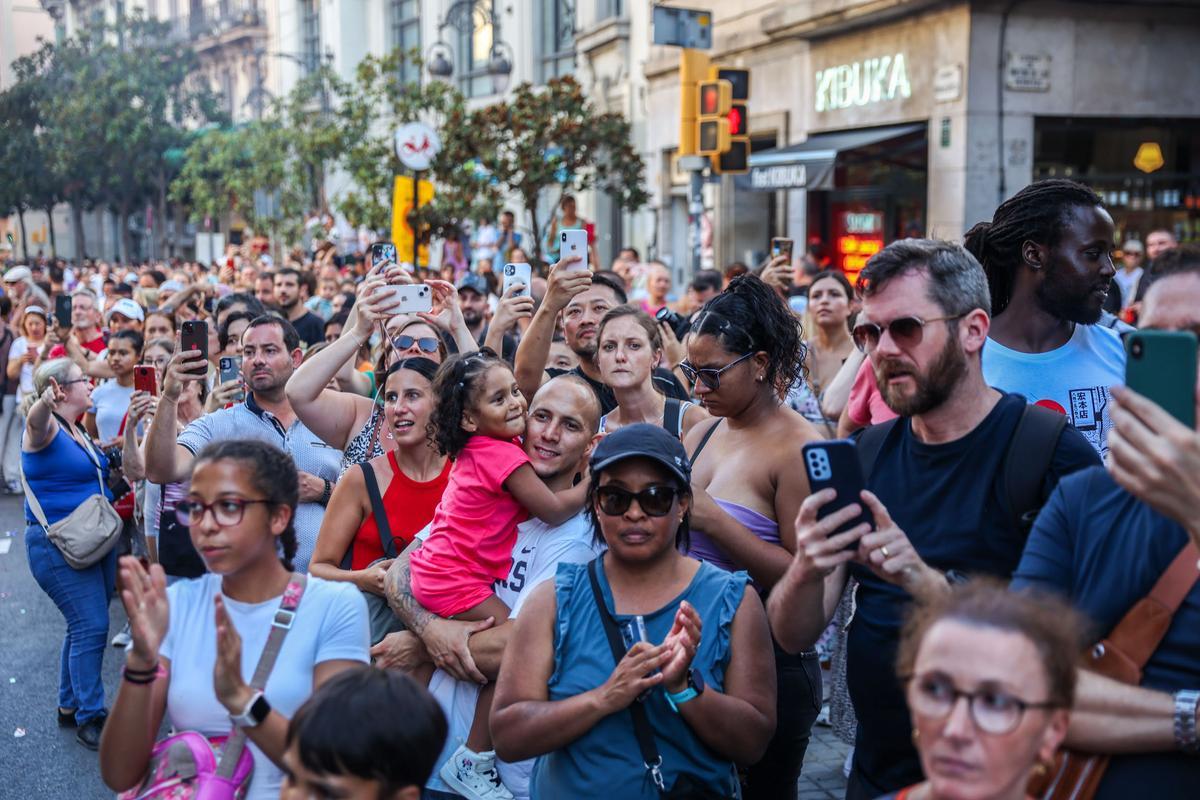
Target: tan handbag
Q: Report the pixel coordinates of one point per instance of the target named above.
(1121, 656)
(89, 532)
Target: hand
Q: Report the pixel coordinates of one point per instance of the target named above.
(673, 349)
(890, 555)
(512, 308)
(778, 273)
(53, 396)
(371, 578)
(370, 307)
(224, 394)
(565, 282)
(228, 684)
(30, 355)
(226, 275)
(681, 644)
(447, 313)
(631, 676)
(312, 488)
(818, 551)
(177, 372)
(144, 595)
(446, 641)
(1155, 457)
(400, 650)
(142, 405)
(703, 510)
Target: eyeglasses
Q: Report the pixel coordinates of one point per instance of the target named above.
(709, 377)
(65, 384)
(226, 511)
(655, 501)
(427, 344)
(993, 711)
(905, 331)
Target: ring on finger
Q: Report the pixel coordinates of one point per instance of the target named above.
(885, 552)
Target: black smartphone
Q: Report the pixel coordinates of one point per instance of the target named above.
(1161, 366)
(62, 310)
(834, 465)
(194, 336)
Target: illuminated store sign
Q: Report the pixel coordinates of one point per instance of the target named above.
(873, 80)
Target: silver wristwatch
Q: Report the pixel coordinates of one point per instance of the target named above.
(1185, 721)
(254, 714)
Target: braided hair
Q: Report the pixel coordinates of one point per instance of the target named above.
(1036, 213)
(750, 316)
(456, 386)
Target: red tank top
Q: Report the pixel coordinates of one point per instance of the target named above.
(409, 504)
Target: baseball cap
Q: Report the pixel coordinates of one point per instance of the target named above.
(1132, 246)
(642, 440)
(476, 283)
(127, 308)
(18, 274)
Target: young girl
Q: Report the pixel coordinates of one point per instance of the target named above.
(480, 414)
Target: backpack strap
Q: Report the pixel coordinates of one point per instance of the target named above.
(673, 416)
(870, 442)
(1026, 462)
(378, 511)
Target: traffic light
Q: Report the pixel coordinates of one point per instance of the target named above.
(734, 157)
(694, 67)
(715, 99)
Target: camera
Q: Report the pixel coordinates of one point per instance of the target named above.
(677, 322)
(115, 456)
(509, 269)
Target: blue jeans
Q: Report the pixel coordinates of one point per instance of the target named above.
(82, 596)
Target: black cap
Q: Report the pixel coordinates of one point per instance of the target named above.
(476, 283)
(642, 441)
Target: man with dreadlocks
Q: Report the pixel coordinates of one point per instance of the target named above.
(1047, 255)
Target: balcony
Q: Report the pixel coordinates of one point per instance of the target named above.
(214, 25)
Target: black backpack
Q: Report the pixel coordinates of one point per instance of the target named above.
(1022, 471)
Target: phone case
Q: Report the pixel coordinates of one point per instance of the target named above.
(781, 247)
(574, 243)
(62, 311)
(834, 465)
(383, 251)
(194, 336)
(145, 379)
(409, 299)
(1161, 366)
(517, 273)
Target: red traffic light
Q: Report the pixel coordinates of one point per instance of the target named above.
(710, 99)
(737, 120)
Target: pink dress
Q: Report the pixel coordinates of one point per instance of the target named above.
(473, 531)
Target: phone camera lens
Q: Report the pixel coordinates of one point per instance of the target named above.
(1136, 349)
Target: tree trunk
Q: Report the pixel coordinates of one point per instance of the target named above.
(531, 207)
(160, 222)
(24, 242)
(77, 230)
(124, 239)
(50, 225)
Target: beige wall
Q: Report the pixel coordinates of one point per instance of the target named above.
(22, 22)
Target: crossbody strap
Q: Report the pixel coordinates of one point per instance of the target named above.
(34, 505)
(378, 511)
(1142, 629)
(280, 625)
(707, 435)
(641, 725)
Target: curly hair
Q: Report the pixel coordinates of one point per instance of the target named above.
(456, 386)
(750, 316)
(273, 475)
(1034, 214)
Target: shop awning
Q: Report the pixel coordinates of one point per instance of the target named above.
(809, 165)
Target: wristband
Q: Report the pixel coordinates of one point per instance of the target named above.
(1185, 721)
(327, 493)
(695, 688)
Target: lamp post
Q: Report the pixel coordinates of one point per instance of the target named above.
(465, 16)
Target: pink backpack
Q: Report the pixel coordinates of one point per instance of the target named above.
(192, 766)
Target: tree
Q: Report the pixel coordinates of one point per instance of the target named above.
(29, 179)
(552, 137)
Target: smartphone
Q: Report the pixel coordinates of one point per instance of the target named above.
(194, 336)
(145, 379)
(633, 630)
(62, 310)
(518, 273)
(230, 369)
(408, 299)
(834, 465)
(574, 243)
(1161, 366)
(781, 247)
(381, 252)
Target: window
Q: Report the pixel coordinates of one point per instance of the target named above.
(472, 51)
(557, 38)
(310, 32)
(406, 36)
(606, 9)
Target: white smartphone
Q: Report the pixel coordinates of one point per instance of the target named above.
(408, 299)
(518, 273)
(574, 243)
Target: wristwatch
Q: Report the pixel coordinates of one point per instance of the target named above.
(1185, 721)
(695, 688)
(254, 714)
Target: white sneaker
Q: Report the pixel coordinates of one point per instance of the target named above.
(474, 775)
(123, 638)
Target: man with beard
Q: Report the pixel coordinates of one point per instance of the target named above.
(309, 327)
(473, 300)
(583, 298)
(270, 353)
(1047, 255)
(939, 489)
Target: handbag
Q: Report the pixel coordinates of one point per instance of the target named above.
(88, 533)
(191, 766)
(379, 614)
(685, 786)
(1121, 656)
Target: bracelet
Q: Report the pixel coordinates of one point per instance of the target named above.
(143, 677)
(142, 672)
(1186, 738)
(325, 495)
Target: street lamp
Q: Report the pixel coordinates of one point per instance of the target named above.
(465, 16)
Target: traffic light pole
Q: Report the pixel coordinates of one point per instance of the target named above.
(695, 166)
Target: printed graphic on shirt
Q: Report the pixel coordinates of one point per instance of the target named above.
(1088, 413)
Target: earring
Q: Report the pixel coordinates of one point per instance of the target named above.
(1041, 769)
(759, 379)
(916, 737)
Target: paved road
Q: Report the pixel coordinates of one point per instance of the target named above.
(45, 763)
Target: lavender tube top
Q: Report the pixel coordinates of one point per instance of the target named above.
(705, 549)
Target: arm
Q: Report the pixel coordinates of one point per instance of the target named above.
(1114, 717)
(133, 465)
(447, 316)
(509, 312)
(553, 508)
(837, 393)
(89, 425)
(343, 517)
(846, 426)
(534, 350)
(764, 561)
(331, 415)
(40, 425)
(166, 461)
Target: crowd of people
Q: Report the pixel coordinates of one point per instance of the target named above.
(560, 540)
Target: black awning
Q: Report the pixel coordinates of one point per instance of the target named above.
(809, 165)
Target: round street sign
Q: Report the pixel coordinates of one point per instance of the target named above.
(416, 145)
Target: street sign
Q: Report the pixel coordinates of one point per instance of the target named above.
(683, 27)
(416, 145)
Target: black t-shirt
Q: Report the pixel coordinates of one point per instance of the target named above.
(508, 344)
(664, 381)
(947, 498)
(310, 328)
(1104, 550)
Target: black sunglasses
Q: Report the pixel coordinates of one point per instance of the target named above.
(709, 376)
(427, 344)
(905, 331)
(655, 501)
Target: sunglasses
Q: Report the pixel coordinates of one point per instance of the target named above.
(710, 377)
(905, 331)
(427, 344)
(655, 501)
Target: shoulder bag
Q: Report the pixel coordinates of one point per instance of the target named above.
(1121, 656)
(88, 533)
(379, 614)
(192, 766)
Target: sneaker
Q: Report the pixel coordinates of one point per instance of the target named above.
(13, 487)
(66, 719)
(123, 638)
(474, 776)
(89, 732)
(823, 718)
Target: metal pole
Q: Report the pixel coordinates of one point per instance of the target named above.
(416, 180)
(695, 166)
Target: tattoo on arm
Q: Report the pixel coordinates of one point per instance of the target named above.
(398, 588)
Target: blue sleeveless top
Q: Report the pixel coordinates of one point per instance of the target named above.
(62, 476)
(605, 761)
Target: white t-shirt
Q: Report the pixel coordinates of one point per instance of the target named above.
(330, 625)
(110, 402)
(536, 556)
(1073, 380)
(16, 352)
